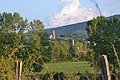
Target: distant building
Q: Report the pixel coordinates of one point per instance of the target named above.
(53, 36)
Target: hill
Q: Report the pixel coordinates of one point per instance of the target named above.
(69, 29)
(73, 28)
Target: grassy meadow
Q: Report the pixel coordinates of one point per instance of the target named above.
(68, 67)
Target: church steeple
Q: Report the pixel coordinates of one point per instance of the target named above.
(53, 36)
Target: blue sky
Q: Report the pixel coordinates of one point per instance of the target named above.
(55, 13)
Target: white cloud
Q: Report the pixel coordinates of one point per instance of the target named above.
(71, 13)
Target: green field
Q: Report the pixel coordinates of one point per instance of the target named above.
(68, 67)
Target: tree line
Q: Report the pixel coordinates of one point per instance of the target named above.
(21, 40)
(26, 41)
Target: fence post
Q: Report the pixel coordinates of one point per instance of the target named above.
(118, 75)
(18, 70)
(104, 67)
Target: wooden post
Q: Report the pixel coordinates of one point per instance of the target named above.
(118, 75)
(18, 70)
(103, 63)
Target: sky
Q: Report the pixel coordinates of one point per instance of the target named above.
(55, 13)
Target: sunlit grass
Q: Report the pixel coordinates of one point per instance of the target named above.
(68, 67)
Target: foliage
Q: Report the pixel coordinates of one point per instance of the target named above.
(90, 56)
(21, 41)
(77, 51)
(11, 39)
(59, 51)
(104, 37)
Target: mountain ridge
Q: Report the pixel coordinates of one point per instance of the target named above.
(73, 28)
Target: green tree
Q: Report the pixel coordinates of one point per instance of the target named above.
(11, 39)
(59, 51)
(21, 41)
(77, 51)
(34, 54)
(104, 37)
(64, 50)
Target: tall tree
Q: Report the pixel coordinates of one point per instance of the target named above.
(104, 37)
(11, 39)
(77, 51)
(59, 51)
(21, 41)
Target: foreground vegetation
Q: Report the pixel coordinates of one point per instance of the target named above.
(25, 41)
